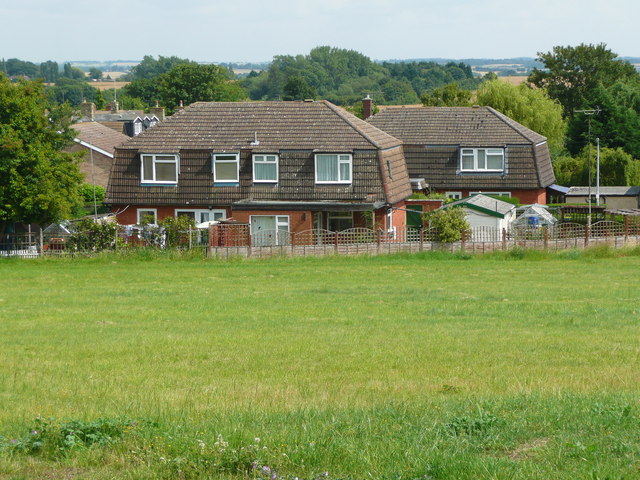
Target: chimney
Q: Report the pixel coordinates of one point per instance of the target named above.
(158, 111)
(180, 107)
(367, 107)
(113, 107)
(88, 110)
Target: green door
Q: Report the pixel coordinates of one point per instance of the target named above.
(414, 217)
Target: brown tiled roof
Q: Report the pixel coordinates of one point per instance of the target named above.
(220, 126)
(464, 126)
(99, 136)
(294, 130)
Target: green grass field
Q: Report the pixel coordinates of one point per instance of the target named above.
(429, 366)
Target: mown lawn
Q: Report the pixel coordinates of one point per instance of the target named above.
(397, 367)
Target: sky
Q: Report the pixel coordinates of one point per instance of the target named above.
(256, 30)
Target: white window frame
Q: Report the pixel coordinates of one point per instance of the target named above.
(196, 211)
(453, 195)
(139, 216)
(155, 161)
(474, 151)
(236, 161)
(264, 161)
(341, 158)
(502, 194)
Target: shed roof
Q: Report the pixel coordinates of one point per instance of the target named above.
(484, 204)
(609, 191)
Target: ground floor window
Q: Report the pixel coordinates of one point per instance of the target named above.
(453, 195)
(269, 230)
(202, 215)
(148, 216)
(339, 221)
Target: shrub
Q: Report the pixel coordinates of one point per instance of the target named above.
(86, 190)
(90, 235)
(449, 224)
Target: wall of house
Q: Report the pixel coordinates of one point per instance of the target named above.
(296, 180)
(129, 216)
(298, 221)
(526, 197)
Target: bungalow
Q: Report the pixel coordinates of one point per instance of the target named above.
(289, 166)
(461, 151)
(615, 198)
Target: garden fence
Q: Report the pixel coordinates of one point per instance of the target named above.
(238, 240)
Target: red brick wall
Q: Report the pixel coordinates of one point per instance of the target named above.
(525, 196)
(130, 215)
(298, 221)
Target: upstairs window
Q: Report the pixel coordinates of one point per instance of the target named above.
(226, 168)
(159, 169)
(333, 168)
(265, 168)
(482, 159)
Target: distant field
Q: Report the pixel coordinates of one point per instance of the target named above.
(427, 366)
(514, 80)
(108, 85)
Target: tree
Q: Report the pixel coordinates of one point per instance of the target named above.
(618, 122)
(450, 95)
(297, 88)
(72, 72)
(198, 83)
(617, 168)
(572, 73)
(38, 182)
(150, 68)
(49, 71)
(95, 73)
(529, 106)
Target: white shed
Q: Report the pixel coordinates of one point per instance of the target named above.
(487, 216)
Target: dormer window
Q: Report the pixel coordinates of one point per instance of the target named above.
(159, 169)
(481, 159)
(333, 168)
(265, 168)
(226, 168)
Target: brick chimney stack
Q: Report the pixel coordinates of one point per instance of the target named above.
(158, 111)
(367, 107)
(88, 110)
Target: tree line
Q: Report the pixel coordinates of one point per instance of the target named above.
(36, 183)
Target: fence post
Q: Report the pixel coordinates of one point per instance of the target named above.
(504, 238)
(335, 241)
(422, 239)
(41, 242)
(626, 228)
(463, 240)
(587, 233)
(378, 241)
(190, 241)
(546, 238)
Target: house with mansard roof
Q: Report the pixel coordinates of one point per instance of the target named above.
(461, 151)
(275, 165)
